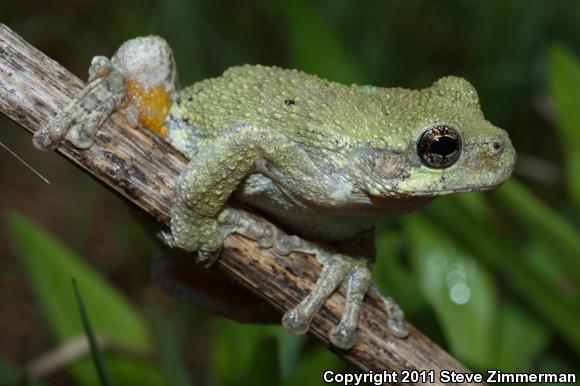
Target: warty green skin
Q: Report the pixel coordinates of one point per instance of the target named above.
(323, 158)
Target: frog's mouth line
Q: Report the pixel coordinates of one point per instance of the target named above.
(401, 194)
(451, 191)
(396, 191)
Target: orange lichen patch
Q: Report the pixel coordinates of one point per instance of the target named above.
(153, 105)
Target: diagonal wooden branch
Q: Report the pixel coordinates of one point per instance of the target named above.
(34, 87)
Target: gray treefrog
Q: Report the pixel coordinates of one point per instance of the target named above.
(323, 159)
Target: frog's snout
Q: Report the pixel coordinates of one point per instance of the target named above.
(496, 146)
(498, 156)
(500, 145)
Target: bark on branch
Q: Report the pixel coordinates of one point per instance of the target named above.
(34, 87)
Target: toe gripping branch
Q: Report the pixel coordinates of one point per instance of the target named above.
(81, 119)
(337, 268)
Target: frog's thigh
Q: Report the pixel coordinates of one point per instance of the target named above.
(214, 173)
(208, 289)
(140, 78)
(150, 76)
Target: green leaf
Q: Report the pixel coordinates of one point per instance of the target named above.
(545, 222)
(520, 339)
(458, 288)
(290, 348)
(50, 267)
(541, 261)
(499, 250)
(8, 372)
(392, 277)
(312, 366)
(171, 330)
(239, 352)
(565, 90)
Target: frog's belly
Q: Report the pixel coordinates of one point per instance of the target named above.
(260, 192)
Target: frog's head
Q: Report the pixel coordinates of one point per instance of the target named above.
(442, 144)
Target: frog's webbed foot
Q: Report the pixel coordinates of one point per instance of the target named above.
(192, 233)
(80, 120)
(337, 268)
(206, 258)
(140, 79)
(396, 321)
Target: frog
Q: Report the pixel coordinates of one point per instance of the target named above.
(323, 159)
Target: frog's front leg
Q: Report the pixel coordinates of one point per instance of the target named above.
(354, 272)
(216, 171)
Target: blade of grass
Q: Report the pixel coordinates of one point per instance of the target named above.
(533, 213)
(98, 360)
(49, 267)
(172, 330)
(565, 90)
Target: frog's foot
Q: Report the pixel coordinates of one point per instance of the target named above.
(193, 233)
(86, 112)
(338, 269)
(396, 321)
(140, 79)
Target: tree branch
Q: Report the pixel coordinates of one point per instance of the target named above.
(34, 87)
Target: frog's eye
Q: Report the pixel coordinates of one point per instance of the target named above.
(439, 147)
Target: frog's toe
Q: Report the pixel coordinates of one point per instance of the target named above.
(42, 141)
(167, 238)
(358, 282)
(208, 258)
(297, 320)
(396, 321)
(86, 112)
(204, 257)
(343, 337)
(339, 268)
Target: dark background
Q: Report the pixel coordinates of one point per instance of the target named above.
(492, 277)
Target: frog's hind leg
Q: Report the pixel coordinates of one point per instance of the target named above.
(140, 79)
(210, 290)
(150, 75)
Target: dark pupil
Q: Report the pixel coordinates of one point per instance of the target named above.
(444, 145)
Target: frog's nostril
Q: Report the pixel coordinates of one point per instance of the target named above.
(496, 145)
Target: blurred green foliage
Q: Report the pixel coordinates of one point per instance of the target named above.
(50, 268)
(493, 277)
(565, 89)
